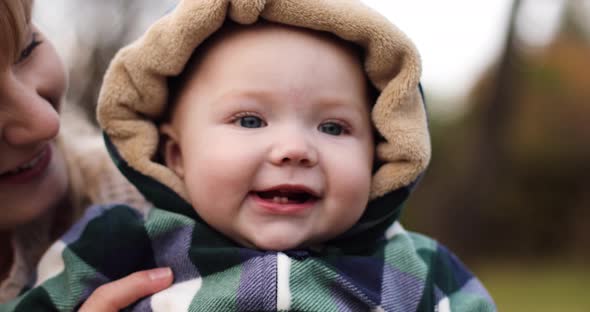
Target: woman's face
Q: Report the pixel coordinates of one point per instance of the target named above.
(33, 176)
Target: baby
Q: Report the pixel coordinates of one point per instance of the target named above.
(278, 141)
(271, 136)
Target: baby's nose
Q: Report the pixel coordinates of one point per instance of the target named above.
(294, 151)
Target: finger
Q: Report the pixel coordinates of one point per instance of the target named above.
(121, 293)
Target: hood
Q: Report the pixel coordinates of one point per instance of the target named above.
(135, 92)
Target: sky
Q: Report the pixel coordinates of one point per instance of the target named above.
(457, 39)
(454, 38)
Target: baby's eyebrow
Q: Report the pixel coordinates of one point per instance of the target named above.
(247, 95)
(327, 102)
(349, 107)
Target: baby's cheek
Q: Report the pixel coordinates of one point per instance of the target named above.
(351, 187)
(353, 179)
(222, 174)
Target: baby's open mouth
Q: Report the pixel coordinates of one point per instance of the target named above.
(286, 197)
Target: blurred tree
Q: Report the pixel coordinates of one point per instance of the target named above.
(512, 176)
(473, 177)
(550, 148)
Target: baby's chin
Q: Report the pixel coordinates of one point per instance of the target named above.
(273, 244)
(276, 242)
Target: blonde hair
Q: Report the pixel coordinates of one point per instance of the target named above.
(15, 16)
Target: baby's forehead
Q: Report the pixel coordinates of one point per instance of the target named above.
(232, 35)
(240, 45)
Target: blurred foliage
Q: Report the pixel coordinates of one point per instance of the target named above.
(511, 177)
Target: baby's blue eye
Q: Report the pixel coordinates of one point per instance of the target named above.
(331, 128)
(251, 122)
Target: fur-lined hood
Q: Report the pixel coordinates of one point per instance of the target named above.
(135, 93)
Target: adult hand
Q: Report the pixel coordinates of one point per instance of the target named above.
(121, 293)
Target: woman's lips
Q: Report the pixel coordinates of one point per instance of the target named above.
(282, 205)
(30, 170)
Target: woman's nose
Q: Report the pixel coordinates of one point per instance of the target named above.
(26, 118)
(294, 150)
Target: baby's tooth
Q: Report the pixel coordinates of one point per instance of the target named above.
(280, 200)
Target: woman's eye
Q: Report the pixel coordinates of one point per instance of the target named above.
(331, 128)
(251, 122)
(28, 50)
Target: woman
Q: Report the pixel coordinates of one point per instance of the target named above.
(47, 180)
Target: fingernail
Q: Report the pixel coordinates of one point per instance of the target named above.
(159, 273)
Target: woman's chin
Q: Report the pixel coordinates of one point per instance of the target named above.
(27, 202)
(25, 214)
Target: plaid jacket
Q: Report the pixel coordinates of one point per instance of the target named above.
(401, 271)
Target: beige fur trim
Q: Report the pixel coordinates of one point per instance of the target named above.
(134, 92)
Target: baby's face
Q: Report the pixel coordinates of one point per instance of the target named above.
(271, 135)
